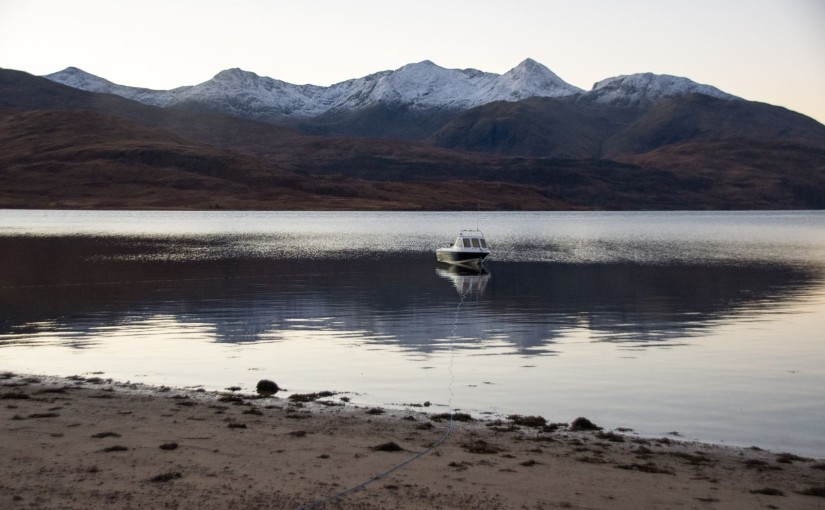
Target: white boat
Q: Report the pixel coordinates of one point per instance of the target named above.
(469, 250)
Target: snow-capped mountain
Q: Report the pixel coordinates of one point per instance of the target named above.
(646, 87)
(415, 87)
(528, 79)
(79, 79)
(421, 85)
(246, 94)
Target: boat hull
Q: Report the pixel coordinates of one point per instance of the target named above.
(461, 257)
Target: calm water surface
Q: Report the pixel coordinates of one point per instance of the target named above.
(709, 324)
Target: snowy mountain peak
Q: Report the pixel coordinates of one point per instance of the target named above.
(230, 81)
(427, 85)
(531, 78)
(424, 64)
(80, 79)
(235, 74)
(645, 87)
(529, 65)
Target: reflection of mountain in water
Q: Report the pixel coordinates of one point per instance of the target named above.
(76, 289)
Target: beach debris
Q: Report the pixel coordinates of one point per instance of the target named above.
(768, 491)
(267, 387)
(610, 436)
(44, 415)
(581, 423)
(760, 465)
(237, 425)
(310, 397)
(528, 421)
(592, 459)
(500, 426)
(296, 414)
(166, 477)
(481, 446)
(814, 491)
(169, 446)
(101, 435)
(454, 416)
(115, 448)
(694, 459)
(647, 467)
(390, 446)
(375, 411)
(460, 466)
(790, 458)
(552, 427)
(237, 388)
(14, 395)
(60, 389)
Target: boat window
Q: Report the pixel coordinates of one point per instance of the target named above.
(475, 243)
(483, 243)
(466, 243)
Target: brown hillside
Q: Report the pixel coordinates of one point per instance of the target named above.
(753, 174)
(83, 159)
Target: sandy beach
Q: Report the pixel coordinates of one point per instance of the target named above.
(87, 442)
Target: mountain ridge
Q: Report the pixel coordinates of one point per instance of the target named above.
(417, 86)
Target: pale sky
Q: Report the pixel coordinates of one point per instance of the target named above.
(763, 50)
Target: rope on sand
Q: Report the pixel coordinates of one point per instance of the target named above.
(418, 455)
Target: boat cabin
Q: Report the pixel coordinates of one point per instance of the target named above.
(470, 239)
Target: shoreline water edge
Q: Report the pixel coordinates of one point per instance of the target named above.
(90, 442)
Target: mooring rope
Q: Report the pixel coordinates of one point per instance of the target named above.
(420, 454)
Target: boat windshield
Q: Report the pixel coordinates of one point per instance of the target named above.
(483, 243)
(475, 243)
(466, 242)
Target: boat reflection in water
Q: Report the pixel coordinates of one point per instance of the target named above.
(467, 282)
